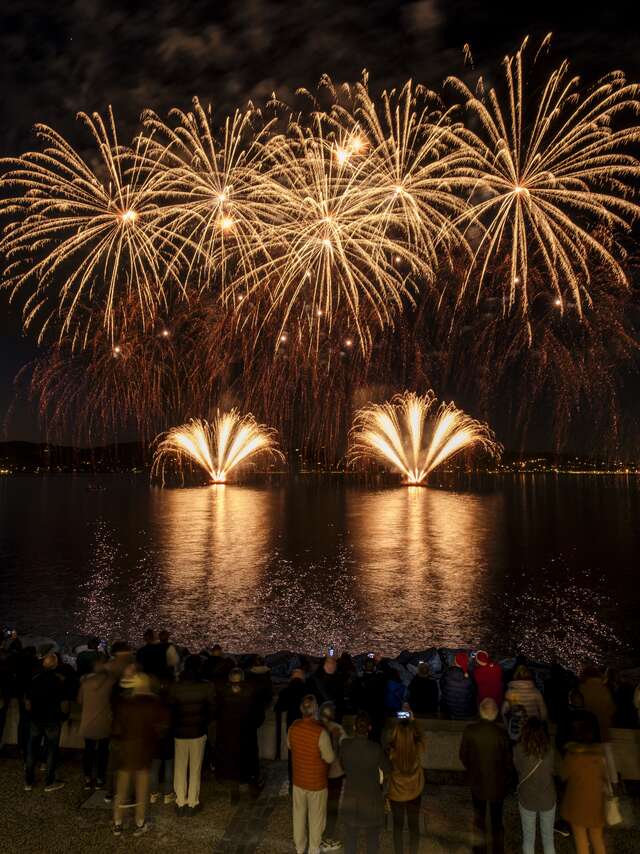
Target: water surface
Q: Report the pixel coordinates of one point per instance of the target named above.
(543, 564)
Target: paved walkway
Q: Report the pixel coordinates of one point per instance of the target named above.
(67, 822)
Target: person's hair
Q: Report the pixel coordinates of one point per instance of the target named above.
(488, 709)
(236, 674)
(163, 636)
(328, 710)
(404, 744)
(424, 669)
(50, 661)
(149, 635)
(362, 723)
(93, 643)
(330, 660)
(192, 667)
(119, 646)
(535, 737)
(523, 673)
(216, 649)
(309, 706)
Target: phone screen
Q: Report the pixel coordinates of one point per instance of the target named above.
(404, 716)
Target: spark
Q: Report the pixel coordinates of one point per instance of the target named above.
(217, 448)
(415, 435)
(550, 169)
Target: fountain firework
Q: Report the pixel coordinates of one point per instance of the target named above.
(218, 448)
(416, 435)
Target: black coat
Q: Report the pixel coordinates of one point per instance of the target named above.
(369, 696)
(423, 696)
(152, 658)
(362, 795)
(289, 700)
(328, 686)
(192, 708)
(486, 755)
(458, 695)
(239, 715)
(46, 693)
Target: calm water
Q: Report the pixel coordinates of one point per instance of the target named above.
(548, 565)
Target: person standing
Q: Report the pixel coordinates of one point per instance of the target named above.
(87, 659)
(423, 693)
(599, 701)
(488, 676)
(328, 684)
(459, 690)
(311, 756)
(486, 756)
(45, 701)
(139, 720)
(368, 695)
(94, 698)
(522, 691)
(335, 774)
(584, 769)
(405, 748)
(192, 704)
(240, 714)
(365, 764)
(533, 758)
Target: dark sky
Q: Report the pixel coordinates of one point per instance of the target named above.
(67, 55)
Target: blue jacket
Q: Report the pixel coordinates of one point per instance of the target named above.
(458, 695)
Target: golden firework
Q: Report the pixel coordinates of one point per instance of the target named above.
(544, 173)
(217, 448)
(415, 435)
(83, 235)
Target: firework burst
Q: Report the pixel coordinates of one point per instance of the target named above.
(415, 435)
(82, 236)
(217, 448)
(543, 174)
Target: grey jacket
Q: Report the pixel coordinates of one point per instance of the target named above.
(536, 789)
(362, 796)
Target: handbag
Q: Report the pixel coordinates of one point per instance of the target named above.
(612, 814)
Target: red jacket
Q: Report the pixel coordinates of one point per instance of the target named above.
(488, 680)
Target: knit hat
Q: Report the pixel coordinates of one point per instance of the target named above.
(482, 658)
(462, 661)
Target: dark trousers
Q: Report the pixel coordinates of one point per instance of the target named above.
(333, 801)
(484, 842)
(51, 735)
(412, 811)
(24, 730)
(96, 750)
(371, 835)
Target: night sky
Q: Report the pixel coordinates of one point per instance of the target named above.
(57, 58)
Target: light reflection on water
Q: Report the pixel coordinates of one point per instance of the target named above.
(543, 567)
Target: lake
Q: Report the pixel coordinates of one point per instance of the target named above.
(542, 564)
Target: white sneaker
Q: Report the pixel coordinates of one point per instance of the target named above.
(330, 845)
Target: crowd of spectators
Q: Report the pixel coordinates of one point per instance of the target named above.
(151, 718)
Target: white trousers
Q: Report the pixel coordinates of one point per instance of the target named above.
(309, 814)
(188, 761)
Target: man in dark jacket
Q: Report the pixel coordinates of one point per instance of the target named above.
(369, 696)
(485, 754)
(192, 704)
(362, 806)
(326, 684)
(240, 712)
(259, 677)
(423, 693)
(458, 690)
(288, 701)
(45, 697)
(152, 656)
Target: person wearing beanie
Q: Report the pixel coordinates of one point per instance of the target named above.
(45, 701)
(488, 676)
(240, 713)
(458, 700)
(311, 757)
